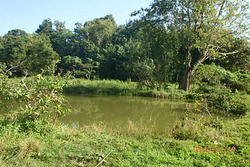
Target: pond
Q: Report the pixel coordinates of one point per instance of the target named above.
(123, 112)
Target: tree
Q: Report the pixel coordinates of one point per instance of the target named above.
(45, 28)
(114, 65)
(199, 27)
(100, 31)
(40, 58)
(60, 37)
(240, 60)
(1, 43)
(14, 48)
(71, 64)
(90, 68)
(157, 45)
(28, 54)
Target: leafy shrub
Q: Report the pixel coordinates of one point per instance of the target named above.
(227, 102)
(40, 102)
(219, 89)
(212, 75)
(220, 99)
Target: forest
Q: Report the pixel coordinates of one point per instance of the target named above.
(174, 49)
(142, 50)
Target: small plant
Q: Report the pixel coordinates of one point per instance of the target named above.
(30, 148)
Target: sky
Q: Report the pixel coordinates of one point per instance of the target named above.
(27, 15)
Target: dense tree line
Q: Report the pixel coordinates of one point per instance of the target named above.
(165, 45)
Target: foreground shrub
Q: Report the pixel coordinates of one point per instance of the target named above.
(39, 102)
(194, 130)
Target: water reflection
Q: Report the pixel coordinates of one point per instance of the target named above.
(119, 111)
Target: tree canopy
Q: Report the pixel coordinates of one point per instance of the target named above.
(200, 27)
(165, 45)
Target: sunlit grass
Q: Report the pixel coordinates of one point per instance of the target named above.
(75, 146)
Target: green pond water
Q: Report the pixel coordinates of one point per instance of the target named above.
(124, 112)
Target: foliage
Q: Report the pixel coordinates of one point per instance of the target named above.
(116, 63)
(28, 54)
(208, 76)
(14, 49)
(219, 88)
(60, 37)
(227, 102)
(39, 100)
(71, 64)
(90, 68)
(100, 31)
(200, 27)
(40, 58)
(239, 60)
(144, 50)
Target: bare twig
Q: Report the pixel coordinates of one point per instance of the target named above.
(24, 82)
(206, 107)
(103, 159)
(14, 67)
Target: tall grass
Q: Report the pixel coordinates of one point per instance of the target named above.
(99, 87)
(116, 87)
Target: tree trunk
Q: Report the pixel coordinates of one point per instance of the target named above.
(192, 61)
(185, 80)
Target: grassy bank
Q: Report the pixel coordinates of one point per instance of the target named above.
(116, 87)
(70, 146)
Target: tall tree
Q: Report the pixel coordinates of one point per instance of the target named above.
(14, 49)
(40, 58)
(61, 39)
(46, 27)
(199, 27)
(114, 66)
(158, 45)
(71, 65)
(100, 31)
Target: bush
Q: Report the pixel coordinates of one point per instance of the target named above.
(40, 102)
(208, 76)
(227, 102)
(219, 89)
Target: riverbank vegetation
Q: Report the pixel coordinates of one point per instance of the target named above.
(197, 51)
(31, 136)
